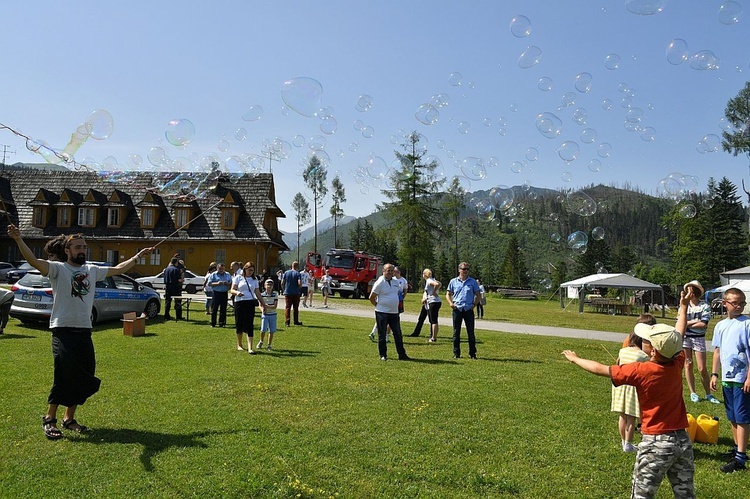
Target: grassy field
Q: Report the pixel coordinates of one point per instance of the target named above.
(181, 413)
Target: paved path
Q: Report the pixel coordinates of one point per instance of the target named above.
(481, 324)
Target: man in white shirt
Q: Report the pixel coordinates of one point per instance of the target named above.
(385, 297)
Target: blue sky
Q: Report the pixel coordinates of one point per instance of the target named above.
(148, 63)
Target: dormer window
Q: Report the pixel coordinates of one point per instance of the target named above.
(63, 216)
(113, 217)
(229, 218)
(40, 216)
(87, 217)
(181, 216)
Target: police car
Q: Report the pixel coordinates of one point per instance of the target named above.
(114, 296)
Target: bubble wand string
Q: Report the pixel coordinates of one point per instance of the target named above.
(202, 213)
(605, 349)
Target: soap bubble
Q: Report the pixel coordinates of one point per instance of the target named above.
(377, 168)
(583, 82)
(677, 51)
(99, 124)
(427, 114)
(607, 104)
(455, 79)
(555, 237)
(604, 150)
(588, 136)
(530, 57)
(549, 125)
(328, 125)
(709, 143)
(532, 154)
(464, 127)
(645, 7)
(597, 233)
(704, 60)
(254, 113)
(502, 197)
(566, 177)
(485, 210)
(368, 132)
(612, 62)
(648, 134)
(729, 13)
(517, 166)
(580, 203)
(545, 84)
(580, 116)
(594, 165)
(569, 151)
(363, 104)
(298, 141)
(180, 132)
(302, 95)
(240, 134)
(688, 210)
(439, 100)
(707, 203)
(473, 168)
(157, 156)
(520, 26)
(317, 143)
(577, 239)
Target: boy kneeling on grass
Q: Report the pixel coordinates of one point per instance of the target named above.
(665, 448)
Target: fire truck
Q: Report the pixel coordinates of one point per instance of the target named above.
(353, 272)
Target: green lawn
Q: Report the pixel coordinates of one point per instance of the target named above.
(182, 413)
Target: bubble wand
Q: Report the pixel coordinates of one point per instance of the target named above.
(202, 213)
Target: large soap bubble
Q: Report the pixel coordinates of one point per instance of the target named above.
(583, 82)
(520, 26)
(645, 7)
(302, 95)
(530, 57)
(473, 168)
(580, 203)
(577, 240)
(677, 51)
(549, 125)
(99, 124)
(569, 151)
(427, 114)
(729, 13)
(502, 197)
(704, 60)
(180, 132)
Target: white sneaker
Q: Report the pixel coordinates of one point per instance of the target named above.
(628, 447)
(259, 345)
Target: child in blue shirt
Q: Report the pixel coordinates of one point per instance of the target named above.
(268, 318)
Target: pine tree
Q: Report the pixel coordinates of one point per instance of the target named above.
(411, 209)
(513, 271)
(315, 179)
(301, 213)
(338, 196)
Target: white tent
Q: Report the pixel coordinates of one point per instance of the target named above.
(577, 288)
(743, 286)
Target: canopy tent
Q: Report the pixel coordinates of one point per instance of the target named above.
(743, 286)
(578, 287)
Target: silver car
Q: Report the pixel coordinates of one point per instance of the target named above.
(114, 296)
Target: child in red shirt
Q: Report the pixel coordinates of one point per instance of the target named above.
(666, 448)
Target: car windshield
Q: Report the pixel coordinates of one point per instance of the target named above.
(35, 280)
(340, 261)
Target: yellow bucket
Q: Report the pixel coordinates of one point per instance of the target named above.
(692, 427)
(708, 429)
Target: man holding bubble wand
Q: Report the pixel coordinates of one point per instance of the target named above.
(73, 283)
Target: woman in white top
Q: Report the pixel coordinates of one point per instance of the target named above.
(246, 292)
(431, 288)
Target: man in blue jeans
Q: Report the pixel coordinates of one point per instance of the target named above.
(463, 294)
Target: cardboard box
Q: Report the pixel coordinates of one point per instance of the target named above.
(132, 325)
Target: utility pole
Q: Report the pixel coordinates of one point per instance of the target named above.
(5, 153)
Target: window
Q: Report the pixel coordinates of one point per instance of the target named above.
(141, 260)
(227, 219)
(113, 217)
(155, 257)
(181, 217)
(220, 255)
(113, 257)
(147, 217)
(86, 217)
(40, 216)
(63, 217)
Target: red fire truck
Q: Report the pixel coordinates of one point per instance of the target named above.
(353, 272)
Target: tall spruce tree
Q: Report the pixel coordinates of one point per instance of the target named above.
(338, 196)
(315, 179)
(513, 270)
(301, 213)
(411, 208)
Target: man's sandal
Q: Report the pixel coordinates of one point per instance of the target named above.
(72, 424)
(51, 431)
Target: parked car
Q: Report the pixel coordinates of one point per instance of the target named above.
(191, 284)
(4, 268)
(13, 275)
(114, 296)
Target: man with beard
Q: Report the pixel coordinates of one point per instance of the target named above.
(73, 284)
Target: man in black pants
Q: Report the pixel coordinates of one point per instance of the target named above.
(173, 288)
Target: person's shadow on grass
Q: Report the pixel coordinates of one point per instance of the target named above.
(152, 442)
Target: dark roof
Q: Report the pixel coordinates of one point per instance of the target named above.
(253, 196)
